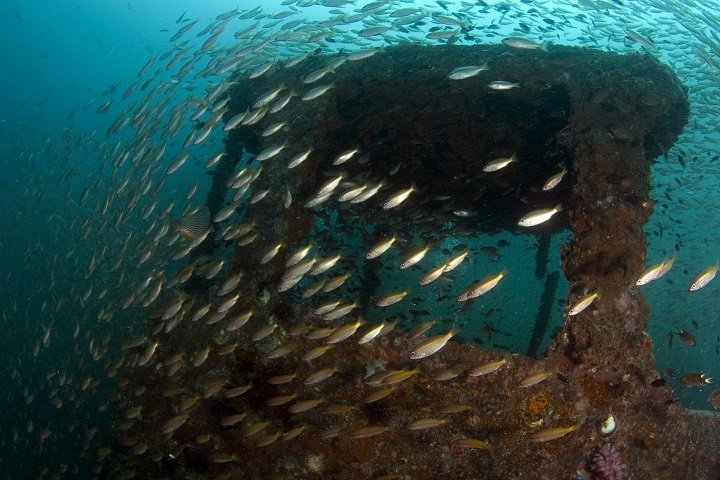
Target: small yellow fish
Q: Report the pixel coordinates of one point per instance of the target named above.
(391, 298)
(537, 217)
(263, 332)
(422, 328)
(452, 264)
(553, 433)
(305, 405)
(352, 193)
(316, 352)
(340, 409)
(487, 368)
(201, 356)
(280, 400)
(433, 274)
(316, 75)
(340, 311)
(704, 277)
(281, 379)
(345, 156)
(238, 321)
(481, 287)
(369, 192)
(268, 439)
(298, 256)
(447, 374)
(270, 254)
(380, 248)
(316, 92)
(334, 282)
(535, 379)
(313, 289)
(398, 197)
(272, 129)
(254, 428)
(583, 303)
(499, 163)
(320, 375)
(399, 376)
(379, 395)
(318, 333)
(327, 307)
(414, 257)
(372, 333)
(221, 457)
(457, 408)
(237, 391)
(329, 186)
(174, 423)
(472, 443)
(553, 181)
(425, 423)
(324, 264)
(370, 431)
(299, 158)
(344, 332)
(269, 152)
(294, 432)
(655, 272)
(432, 345)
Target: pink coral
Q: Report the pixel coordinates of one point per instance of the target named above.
(606, 464)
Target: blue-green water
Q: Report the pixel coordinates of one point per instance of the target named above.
(68, 68)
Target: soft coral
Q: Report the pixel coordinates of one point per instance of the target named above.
(606, 464)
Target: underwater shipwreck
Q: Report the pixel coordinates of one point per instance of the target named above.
(274, 355)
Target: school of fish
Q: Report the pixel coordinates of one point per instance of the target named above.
(110, 302)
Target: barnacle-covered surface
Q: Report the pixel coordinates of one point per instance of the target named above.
(603, 116)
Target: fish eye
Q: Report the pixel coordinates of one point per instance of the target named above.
(413, 354)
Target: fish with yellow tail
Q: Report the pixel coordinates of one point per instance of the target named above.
(481, 287)
(380, 248)
(655, 272)
(432, 345)
(583, 303)
(499, 163)
(704, 277)
(553, 433)
(554, 180)
(399, 197)
(472, 443)
(433, 274)
(536, 378)
(414, 257)
(391, 298)
(487, 368)
(537, 217)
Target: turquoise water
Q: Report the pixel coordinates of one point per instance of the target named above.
(63, 186)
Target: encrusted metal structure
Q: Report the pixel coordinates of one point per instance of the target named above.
(604, 116)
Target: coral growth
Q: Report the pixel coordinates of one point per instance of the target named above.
(538, 402)
(606, 464)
